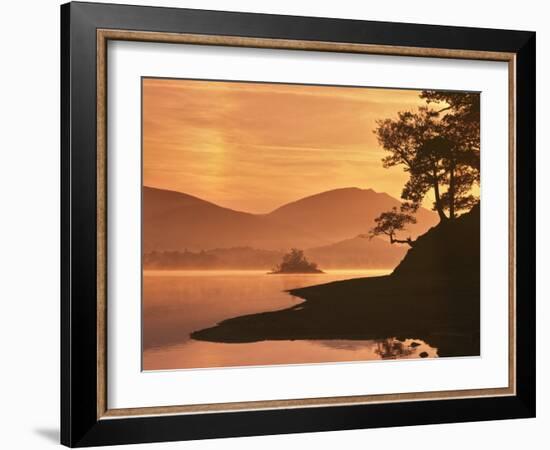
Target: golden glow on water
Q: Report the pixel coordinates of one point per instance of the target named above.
(196, 354)
(176, 303)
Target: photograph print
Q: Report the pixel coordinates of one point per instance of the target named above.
(299, 224)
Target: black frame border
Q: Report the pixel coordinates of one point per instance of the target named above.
(79, 423)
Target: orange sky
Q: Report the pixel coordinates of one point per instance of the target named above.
(255, 146)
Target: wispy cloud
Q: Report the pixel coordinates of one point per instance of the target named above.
(255, 146)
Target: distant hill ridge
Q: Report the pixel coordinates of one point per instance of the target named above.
(179, 221)
(354, 253)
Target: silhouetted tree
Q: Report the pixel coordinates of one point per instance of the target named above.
(296, 262)
(439, 148)
(463, 105)
(390, 222)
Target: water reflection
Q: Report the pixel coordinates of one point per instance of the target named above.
(178, 303)
(392, 348)
(389, 348)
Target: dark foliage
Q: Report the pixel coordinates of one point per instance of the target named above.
(295, 262)
(438, 145)
(390, 222)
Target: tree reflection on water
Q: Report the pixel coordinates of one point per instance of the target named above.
(391, 348)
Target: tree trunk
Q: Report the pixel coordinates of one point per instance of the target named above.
(452, 193)
(438, 207)
(408, 241)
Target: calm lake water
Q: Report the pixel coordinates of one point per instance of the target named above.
(176, 303)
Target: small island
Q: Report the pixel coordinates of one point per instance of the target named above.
(295, 262)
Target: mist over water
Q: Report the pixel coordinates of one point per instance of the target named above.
(176, 303)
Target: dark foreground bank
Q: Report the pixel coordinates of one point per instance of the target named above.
(432, 295)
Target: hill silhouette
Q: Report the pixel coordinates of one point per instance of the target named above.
(344, 213)
(174, 221)
(433, 295)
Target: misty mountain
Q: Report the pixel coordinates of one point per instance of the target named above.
(344, 213)
(177, 221)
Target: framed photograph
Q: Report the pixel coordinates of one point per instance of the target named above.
(276, 224)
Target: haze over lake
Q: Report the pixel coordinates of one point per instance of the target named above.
(176, 303)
